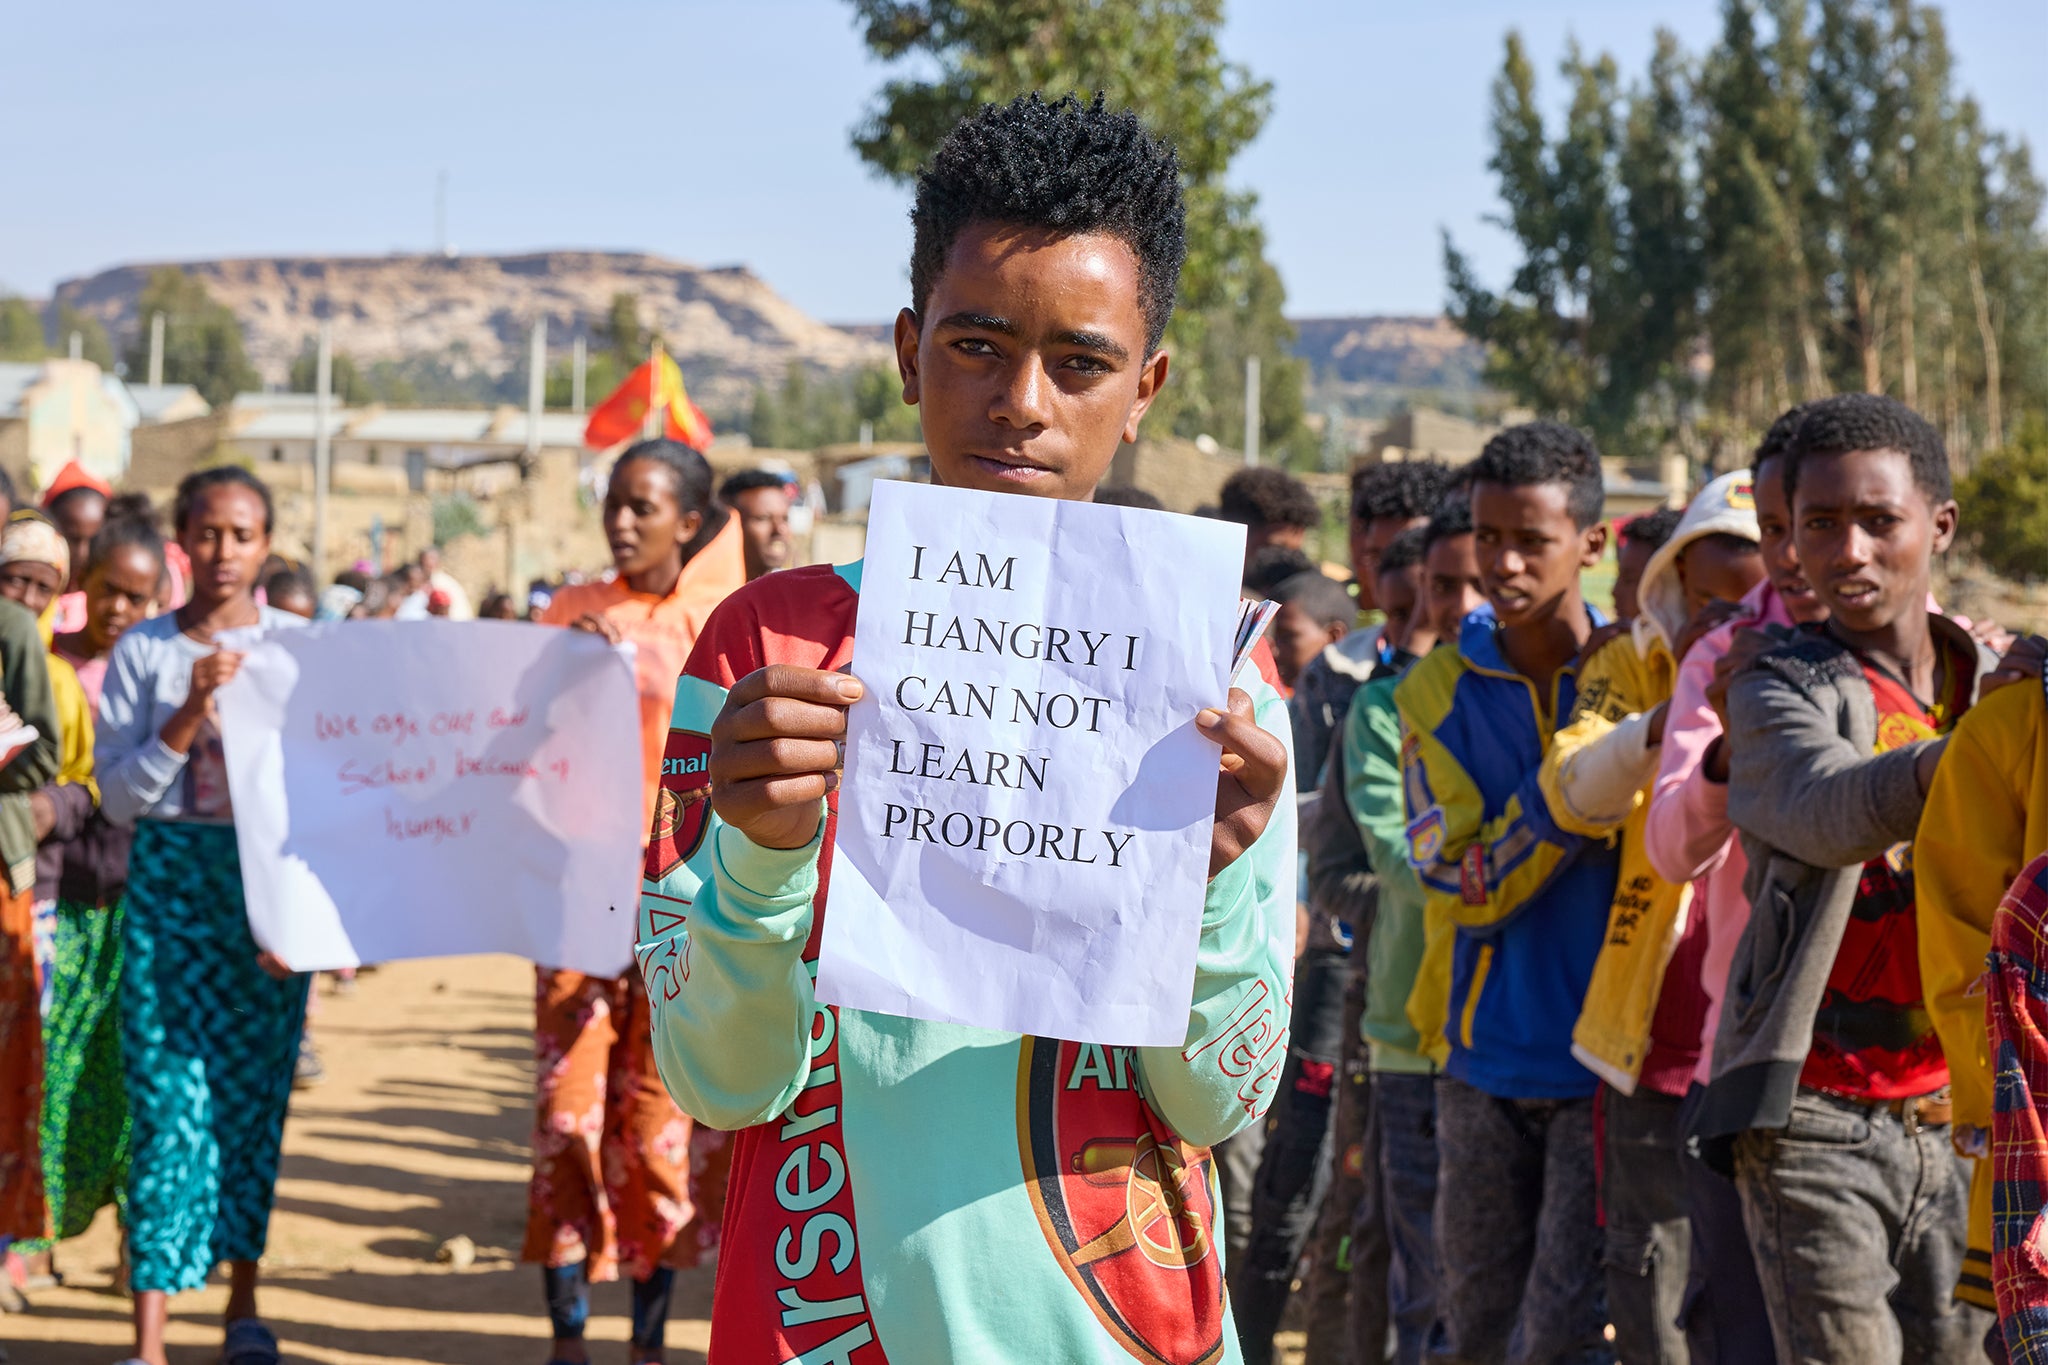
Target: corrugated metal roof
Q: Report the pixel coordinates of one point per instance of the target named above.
(282, 426)
(153, 403)
(422, 426)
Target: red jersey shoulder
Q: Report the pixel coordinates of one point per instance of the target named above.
(800, 616)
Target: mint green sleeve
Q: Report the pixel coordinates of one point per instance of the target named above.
(1223, 1076)
(723, 924)
(1372, 786)
(732, 1037)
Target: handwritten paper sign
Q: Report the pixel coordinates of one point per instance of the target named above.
(1023, 838)
(414, 789)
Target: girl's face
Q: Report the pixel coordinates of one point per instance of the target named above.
(30, 582)
(118, 593)
(644, 522)
(226, 540)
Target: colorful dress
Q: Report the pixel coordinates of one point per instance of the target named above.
(25, 681)
(208, 1038)
(622, 1180)
(79, 868)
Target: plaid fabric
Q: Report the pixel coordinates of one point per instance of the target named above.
(2018, 1013)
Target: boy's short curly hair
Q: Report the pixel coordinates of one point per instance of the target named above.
(1264, 496)
(1406, 490)
(1872, 421)
(1066, 167)
(1452, 517)
(1403, 552)
(1546, 452)
(1778, 440)
(1651, 529)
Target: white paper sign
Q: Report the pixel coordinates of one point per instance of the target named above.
(1023, 838)
(420, 788)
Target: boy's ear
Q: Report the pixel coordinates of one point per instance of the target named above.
(1946, 517)
(907, 327)
(1151, 379)
(1594, 544)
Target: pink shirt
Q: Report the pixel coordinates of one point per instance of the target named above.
(1687, 835)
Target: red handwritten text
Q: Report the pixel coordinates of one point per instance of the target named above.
(438, 828)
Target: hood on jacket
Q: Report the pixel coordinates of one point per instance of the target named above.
(1727, 506)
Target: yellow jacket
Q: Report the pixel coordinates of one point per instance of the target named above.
(1986, 817)
(1596, 780)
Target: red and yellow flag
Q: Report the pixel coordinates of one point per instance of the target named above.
(656, 385)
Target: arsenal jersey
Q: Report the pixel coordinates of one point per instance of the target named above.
(905, 1191)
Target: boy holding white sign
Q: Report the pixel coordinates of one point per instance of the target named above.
(907, 1190)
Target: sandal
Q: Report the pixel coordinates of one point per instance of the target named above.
(248, 1342)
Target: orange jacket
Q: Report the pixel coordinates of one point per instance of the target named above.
(663, 631)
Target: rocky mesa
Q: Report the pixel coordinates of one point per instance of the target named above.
(726, 327)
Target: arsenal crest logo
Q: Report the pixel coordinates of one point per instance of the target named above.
(1125, 1206)
(682, 810)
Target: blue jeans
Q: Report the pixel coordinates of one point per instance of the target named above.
(1404, 1115)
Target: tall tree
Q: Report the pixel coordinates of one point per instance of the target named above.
(623, 335)
(202, 339)
(1162, 59)
(1817, 210)
(93, 344)
(21, 331)
(1597, 322)
(350, 384)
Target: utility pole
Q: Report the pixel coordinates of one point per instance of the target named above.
(580, 357)
(1251, 410)
(323, 399)
(536, 389)
(156, 350)
(77, 346)
(441, 214)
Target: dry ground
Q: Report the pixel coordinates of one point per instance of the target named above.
(418, 1135)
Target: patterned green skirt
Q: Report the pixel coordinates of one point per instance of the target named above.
(85, 1097)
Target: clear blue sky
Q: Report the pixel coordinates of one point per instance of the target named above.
(717, 132)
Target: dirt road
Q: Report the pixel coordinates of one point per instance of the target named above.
(419, 1134)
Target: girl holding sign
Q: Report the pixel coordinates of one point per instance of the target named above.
(210, 1026)
(615, 1163)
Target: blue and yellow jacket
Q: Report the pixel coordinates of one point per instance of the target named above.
(1528, 900)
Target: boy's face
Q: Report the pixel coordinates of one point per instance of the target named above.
(1399, 593)
(1629, 562)
(1369, 540)
(1530, 551)
(1297, 638)
(1867, 535)
(1451, 586)
(1028, 366)
(1718, 568)
(1781, 554)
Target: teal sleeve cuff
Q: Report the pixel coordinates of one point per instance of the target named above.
(771, 877)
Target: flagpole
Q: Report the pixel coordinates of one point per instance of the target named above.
(652, 425)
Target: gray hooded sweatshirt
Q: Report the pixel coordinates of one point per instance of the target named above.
(1813, 803)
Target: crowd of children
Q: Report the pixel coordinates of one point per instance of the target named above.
(149, 1048)
(1672, 977)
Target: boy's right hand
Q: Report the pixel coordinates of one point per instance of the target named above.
(776, 749)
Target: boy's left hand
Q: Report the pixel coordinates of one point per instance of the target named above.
(2023, 660)
(1250, 780)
